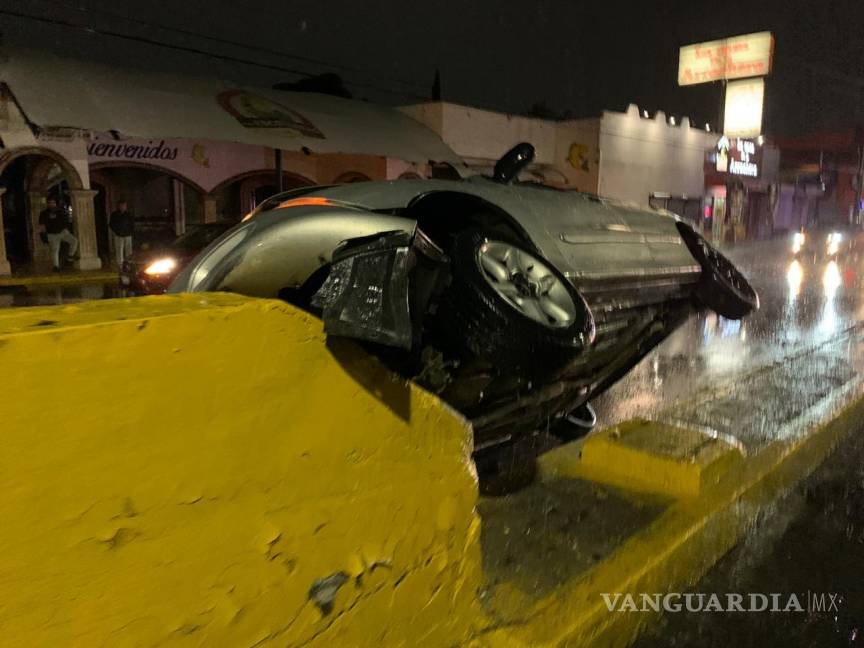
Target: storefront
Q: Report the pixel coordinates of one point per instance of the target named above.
(742, 189)
(179, 155)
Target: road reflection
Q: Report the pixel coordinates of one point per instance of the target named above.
(804, 304)
(794, 276)
(831, 282)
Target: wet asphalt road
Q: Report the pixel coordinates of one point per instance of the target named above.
(810, 310)
(810, 543)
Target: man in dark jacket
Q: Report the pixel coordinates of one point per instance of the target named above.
(54, 224)
(122, 224)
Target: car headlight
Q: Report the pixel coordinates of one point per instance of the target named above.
(798, 241)
(161, 266)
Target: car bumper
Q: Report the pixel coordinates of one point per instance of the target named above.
(139, 284)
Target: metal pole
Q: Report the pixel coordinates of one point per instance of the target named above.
(279, 179)
(856, 211)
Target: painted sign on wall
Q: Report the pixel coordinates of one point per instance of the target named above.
(730, 58)
(256, 111)
(203, 162)
(135, 150)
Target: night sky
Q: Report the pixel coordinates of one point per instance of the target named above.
(571, 57)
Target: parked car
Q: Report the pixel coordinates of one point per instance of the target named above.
(150, 271)
(517, 303)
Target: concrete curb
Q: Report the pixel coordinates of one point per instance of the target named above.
(99, 276)
(675, 550)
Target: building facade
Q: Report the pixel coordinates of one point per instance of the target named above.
(627, 156)
(169, 184)
(178, 152)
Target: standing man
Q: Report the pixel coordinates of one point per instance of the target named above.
(54, 225)
(122, 223)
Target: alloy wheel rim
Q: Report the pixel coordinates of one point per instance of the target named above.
(527, 284)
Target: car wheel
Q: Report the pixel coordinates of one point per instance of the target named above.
(722, 287)
(509, 306)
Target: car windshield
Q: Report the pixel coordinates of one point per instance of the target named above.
(197, 239)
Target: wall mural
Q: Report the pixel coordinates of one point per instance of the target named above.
(578, 157)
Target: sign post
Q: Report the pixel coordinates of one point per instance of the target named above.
(740, 63)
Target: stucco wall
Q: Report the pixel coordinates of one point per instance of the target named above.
(17, 135)
(482, 135)
(641, 156)
(209, 163)
(577, 153)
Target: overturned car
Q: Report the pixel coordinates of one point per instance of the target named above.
(516, 302)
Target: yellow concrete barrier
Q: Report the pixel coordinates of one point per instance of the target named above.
(645, 456)
(205, 470)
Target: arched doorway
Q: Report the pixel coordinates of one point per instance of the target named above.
(240, 194)
(28, 177)
(163, 203)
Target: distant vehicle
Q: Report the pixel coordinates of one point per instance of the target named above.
(516, 303)
(829, 240)
(150, 272)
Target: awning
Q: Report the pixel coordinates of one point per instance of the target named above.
(56, 92)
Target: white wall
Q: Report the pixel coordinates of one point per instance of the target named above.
(480, 136)
(577, 153)
(641, 156)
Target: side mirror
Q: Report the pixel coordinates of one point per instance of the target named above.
(512, 162)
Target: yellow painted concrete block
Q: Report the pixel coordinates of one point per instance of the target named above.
(210, 470)
(645, 456)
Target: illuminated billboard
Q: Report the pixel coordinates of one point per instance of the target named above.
(742, 116)
(741, 157)
(731, 58)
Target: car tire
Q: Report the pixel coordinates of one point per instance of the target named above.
(509, 306)
(722, 287)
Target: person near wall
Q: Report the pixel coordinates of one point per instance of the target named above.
(55, 229)
(122, 224)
